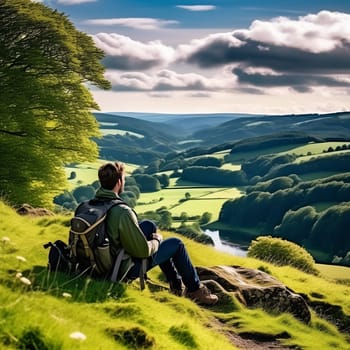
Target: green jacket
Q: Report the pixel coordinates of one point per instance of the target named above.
(124, 232)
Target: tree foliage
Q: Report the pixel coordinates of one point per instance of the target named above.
(165, 220)
(278, 183)
(208, 161)
(281, 252)
(205, 218)
(70, 200)
(83, 193)
(291, 214)
(45, 106)
(263, 164)
(297, 224)
(147, 183)
(265, 209)
(194, 232)
(331, 231)
(213, 176)
(337, 162)
(163, 180)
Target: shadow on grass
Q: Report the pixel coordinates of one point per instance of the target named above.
(77, 288)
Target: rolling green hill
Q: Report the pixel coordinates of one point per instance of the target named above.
(134, 140)
(326, 126)
(151, 137)
(188, 123)
(51, 311)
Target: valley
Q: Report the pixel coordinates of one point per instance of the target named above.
(274, 163)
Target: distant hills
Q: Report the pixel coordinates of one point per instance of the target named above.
(145, 137)
(334, 126)
(188, 123)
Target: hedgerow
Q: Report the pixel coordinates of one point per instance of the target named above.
(281, 252)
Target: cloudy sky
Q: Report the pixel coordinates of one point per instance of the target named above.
(235, 56)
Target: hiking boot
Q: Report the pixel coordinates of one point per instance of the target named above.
(177, 292)
(203, 296)
(176, 288)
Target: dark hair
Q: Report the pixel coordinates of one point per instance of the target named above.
(110, 173)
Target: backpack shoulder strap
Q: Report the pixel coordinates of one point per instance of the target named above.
(106, 204)
(117, 264)
(112, 203)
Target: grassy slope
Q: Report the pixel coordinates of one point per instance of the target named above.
(104, 312)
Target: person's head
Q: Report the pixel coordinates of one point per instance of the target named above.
(112, 177)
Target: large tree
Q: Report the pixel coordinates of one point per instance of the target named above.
(46, 122)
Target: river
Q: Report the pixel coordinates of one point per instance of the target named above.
(224, 246)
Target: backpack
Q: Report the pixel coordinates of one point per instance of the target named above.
(59, 256)
(88, 243)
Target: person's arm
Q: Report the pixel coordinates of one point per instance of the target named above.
(132, 238)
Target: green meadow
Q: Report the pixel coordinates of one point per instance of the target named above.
(202, 199)
(314, 148)
(304, 151)
(39, 310)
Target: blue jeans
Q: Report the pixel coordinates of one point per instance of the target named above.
(172, 258)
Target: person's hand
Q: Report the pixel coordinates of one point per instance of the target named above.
(157, 236)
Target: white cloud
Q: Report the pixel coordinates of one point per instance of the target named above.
(168, 80)
(318, 33)
(309, 52)
(279, 102)
(138, 23)
(131, 54)
(197, 7)
(130, 81)
(287, 62)
(314, 33)
(226, 39)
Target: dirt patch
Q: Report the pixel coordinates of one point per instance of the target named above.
(254, 340)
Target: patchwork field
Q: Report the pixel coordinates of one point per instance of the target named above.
(202, 199)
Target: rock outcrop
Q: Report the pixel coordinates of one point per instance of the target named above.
(255, 288)
(26, 209)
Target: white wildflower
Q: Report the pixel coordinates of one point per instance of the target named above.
(5, 239)
(21, 258)
(25, 281)
(78, 336)
(66, 295)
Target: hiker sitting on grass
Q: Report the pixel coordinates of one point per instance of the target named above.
(141, 240)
